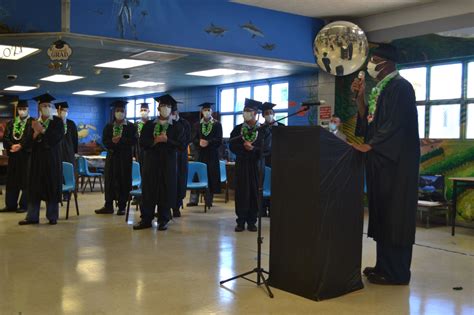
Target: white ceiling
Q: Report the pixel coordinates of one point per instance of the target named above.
(334, 8)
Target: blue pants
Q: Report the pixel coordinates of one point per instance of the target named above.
(394, 262)
(52, 210)
(11, 199)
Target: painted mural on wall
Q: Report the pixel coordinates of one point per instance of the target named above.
(439, 157)
(87, 133)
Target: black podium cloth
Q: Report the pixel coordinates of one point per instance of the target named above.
(317, 213)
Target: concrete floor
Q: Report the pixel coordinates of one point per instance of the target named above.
(98, 265)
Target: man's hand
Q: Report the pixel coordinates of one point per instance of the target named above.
(203, 143)
(37, 127)
(15, 148)
(116, 139)
(248, 146)
(162, 138)
(362, 147)
(358, 87)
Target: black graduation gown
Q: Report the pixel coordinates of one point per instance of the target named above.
(136, 148)
(45, 176)
(70, 143)
(392, 166)
(210, 154)
(268, 154)
(247, 167)
(159, 182)
(18, 162)
(118, 163)
(182, 160)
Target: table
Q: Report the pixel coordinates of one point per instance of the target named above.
(95, 161)
(458, 182)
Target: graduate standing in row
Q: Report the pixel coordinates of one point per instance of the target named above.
(145, 117)
(17, 142)
(45, 178)
(250, 149)
(207, 138)
(70, 140)
(182, 161)
(160, 140)
(119, 138)
(269, 116)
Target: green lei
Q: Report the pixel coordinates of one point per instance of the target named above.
(206, 128)
(374, 96)
(140, 127)
(65, 127)
(45, 124)
(159, 129)
(249, 135)
(18, 128)
(117, 130)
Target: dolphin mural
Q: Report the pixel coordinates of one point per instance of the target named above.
(268, 46)
(215, 30)
(252, 29)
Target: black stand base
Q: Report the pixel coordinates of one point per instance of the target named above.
(259, 272)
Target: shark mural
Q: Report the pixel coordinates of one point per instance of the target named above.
(252, 29)
(215, 30)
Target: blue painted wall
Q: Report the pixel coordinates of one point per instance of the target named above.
(25, 16)
(184, 23)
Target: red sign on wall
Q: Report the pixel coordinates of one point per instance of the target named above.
(325, 112)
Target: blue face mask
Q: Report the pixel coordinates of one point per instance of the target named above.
(332, 127)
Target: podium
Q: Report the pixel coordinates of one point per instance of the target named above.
(316, 213)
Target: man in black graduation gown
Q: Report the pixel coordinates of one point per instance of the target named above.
(392, 145)
(269, 116)
(118, 137)
(207, 138)
(160, 140)
(45, 177)
(145, 116)
(181, 160)
(248, 144)
(17, 142)
(70, 140)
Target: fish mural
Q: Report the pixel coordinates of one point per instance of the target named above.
(125, 16)
(86, 130)
(215, 30)
(252, 29)
(268, 46)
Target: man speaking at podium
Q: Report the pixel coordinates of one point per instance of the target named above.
(390, 126)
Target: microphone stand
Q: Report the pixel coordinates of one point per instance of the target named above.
(259, 270)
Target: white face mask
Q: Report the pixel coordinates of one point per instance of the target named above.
(248, 116)
(332, 127)
(119, 115)
(165, 111)
(268, 118)
(23, 113)
(371, 69)
(63, 114)
(207, 114)
(45, 111)
(144, 114)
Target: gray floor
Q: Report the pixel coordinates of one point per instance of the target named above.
(98, 265)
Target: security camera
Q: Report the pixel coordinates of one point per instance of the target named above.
(127, 76)
(12, 77)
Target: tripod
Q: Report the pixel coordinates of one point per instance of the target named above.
(259, 270)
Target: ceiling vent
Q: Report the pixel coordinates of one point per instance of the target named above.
(159, 56)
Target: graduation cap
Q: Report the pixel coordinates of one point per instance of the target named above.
(144, 105)
(252, 104)
(44, 98)
(61, 105)
(386, 51)
(118, 104)
(22, 103)
(266, 106)
(206, 105)
(168, 100)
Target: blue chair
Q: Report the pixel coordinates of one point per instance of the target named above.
(199, 170)
(136, 182)
(103, 153)
(267, 183)
(137, 193)
(223, 169)
(69, 186)
(136, 177)
(83, 172)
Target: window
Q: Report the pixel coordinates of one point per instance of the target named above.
(445, 121)
(446, 82)
(470, 121)
(232, 99)
(470, 80)
(134, 106)
(417, 78)
(421, 120)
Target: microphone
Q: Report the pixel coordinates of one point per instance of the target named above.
(317, 103)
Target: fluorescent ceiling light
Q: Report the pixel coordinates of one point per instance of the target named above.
(141, 84)
(15, 52)
(89, 92)
(60, 78)
(215, 72)
(124, 64)
(20, 88)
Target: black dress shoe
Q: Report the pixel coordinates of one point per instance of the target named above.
(27, 222)
(163, 226)
(53, 222)
(376, 278)
(368, 270)
(7, 210)
(21, 210)
(142, 225)
(176, 213)
(192, 204)
(252, 228)
(239, 228)
(121, 212)
(104, 210)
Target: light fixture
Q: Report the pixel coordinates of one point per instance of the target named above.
(124, 64)
(141, 84)
(15, 52)
(89, 92)
(20, 88)
(216, 72)
(60, 78)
